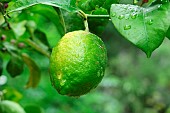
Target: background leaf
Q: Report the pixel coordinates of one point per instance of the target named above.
(90, 5)
(142, 26)
(168, 33)
(33, 109)
(35, 72)
(126, 1)
(46, 21)
(22, 4)
(15, 66)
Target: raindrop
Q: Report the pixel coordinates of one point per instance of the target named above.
(160, 7)
(98, 74)
(127, 27)
(59, 75)
(127, 17)
(150, 22)
(121, 16)
(133, 15)
(113, 14)
(62, 82)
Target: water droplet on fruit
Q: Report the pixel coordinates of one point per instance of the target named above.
(121, 16)
(62, 82)
(59, 75)
(127, 27)
(102, 73)
(98, 74)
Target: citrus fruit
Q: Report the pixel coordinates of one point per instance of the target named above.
(7, 106)
(77, 63)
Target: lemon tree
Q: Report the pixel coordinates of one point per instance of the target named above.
(77, 63)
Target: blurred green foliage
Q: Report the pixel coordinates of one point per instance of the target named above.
(132, 82)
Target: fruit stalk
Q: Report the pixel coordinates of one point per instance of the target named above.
(97, 16)
(84, 16)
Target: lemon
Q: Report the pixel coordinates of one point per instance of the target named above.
(77, 63)
(7, 106)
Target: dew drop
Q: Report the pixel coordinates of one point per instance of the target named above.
(59, 75)
(127, 27)
(121, 16)
(62, 82)
(98, 74)
(159, 7)
(113, 14)
(150, 22)
(127, 17)
(133, 15)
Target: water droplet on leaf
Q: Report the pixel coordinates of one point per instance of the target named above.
(127, 27)
(133, 15)
(121, 16)
(150, 22)
(113, 14)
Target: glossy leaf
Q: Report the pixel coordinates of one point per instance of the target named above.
(126, 1)
(35, 73)
(142, 26)
(48, 21)
(23, 4)
(15, 66)
(91, 5)
(168, 33)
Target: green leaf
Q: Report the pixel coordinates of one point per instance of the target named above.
(46, 20)
(91, 5)
(15, 66)
(35, 73)
(144, 27)
(12, 94)
(168, 33)
(72, 21)
(23, 4)
(126, 1)
(33, 109)
(1, 66)
(19, 28)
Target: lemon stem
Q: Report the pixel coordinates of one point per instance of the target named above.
(98, 16)
(84, 16)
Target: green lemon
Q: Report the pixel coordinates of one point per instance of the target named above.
(7, 106)
(77, 63)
